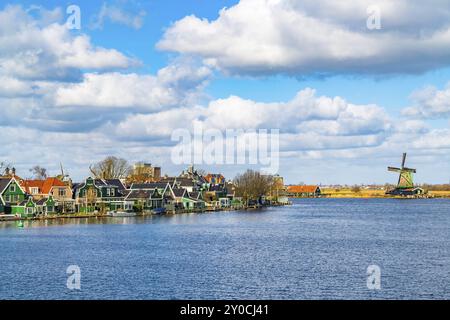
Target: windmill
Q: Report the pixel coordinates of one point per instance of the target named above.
(405, 184)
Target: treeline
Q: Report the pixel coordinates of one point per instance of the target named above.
(436, 187)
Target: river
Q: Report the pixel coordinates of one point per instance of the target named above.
(314, 249)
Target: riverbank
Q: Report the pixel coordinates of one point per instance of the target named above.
(105, 215)
(372, 193)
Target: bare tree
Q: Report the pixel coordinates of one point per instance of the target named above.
(4, 167)
(39, 173)
(111, 168)
(252, 185)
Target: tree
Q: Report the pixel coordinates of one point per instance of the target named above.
(4, 167)
(111, 168)
(39, 173)
(252, 185)
(356, 189)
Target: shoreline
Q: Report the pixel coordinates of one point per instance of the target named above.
(105, 215)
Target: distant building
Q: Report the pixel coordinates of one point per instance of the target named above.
(304, 191)
(145, 172)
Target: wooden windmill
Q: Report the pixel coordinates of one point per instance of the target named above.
(405, 184)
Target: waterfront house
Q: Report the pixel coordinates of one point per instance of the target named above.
(11, 194)
(60, 192)
(304, 191)
(164, 193)
(144, 199)
(99, 195)
(188, 200)
(25, 208)
(46, 206)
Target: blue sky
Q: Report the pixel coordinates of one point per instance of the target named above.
(347, 100)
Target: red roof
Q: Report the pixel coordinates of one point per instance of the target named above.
(44, 185)
(28, 184)
(302, 189)
(50, 183)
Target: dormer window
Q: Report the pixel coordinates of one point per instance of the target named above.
(34, 190)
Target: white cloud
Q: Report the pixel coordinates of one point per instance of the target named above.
(429, 102)
(317, 37)
(30, 49)
(119, 15)
(305, 122)
(175, 85)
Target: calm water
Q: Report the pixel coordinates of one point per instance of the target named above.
(315, 249)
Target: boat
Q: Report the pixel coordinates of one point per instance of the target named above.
(159, 210)
(117, 213)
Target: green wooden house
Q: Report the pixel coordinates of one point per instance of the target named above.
(189, 200)
(99, 195)
(11, 194)
(25, 209)
(46, 206)
(145, 199)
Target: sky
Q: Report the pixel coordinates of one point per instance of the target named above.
(350, 86)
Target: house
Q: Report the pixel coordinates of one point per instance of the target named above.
(42, 189)
(304, 191)
(24, 209)
(164, 193)
(99, 195)
(46, 206)
(215, 192)
(11, 194)
(163, 188)
(407, 192)
(188, 200)
(144, 199)
(215, 178)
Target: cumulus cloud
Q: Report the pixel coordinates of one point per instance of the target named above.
(174, 85)
(429, 102)
(305, 122)
(317, 37)
(41, 49)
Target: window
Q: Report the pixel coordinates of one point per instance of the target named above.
(12, 188)
(108, 192)
(112, 192)
(34, 190)
(61, 192)
(7, 198)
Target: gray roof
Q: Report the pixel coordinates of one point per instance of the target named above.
(140, 194)
(153, 185)
(179, 192)
(194, 195)
(41, 202)
(4, 183)
(115, 182)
